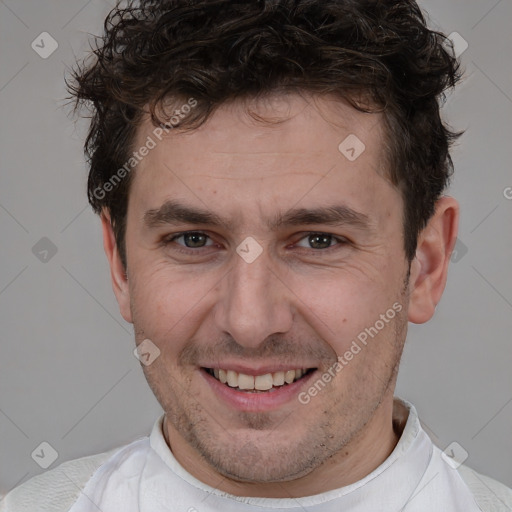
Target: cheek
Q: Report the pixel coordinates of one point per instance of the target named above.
(166, 303)
(341, 307)
(340, 303)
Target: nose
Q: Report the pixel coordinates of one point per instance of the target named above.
(254, 303)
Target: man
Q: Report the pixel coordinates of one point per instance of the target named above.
(270, 179)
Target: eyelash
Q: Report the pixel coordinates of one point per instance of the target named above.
(341, 241)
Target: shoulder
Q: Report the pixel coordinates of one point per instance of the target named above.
(490, 495)
(55, 490)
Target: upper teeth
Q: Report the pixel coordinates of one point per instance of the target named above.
(260, 382)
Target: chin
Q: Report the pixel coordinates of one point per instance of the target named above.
(267, 461)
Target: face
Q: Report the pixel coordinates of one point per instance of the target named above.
(257, 249)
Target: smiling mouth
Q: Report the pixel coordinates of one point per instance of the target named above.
(258, 383)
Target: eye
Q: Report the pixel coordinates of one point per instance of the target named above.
(191, 239)
(320, 241)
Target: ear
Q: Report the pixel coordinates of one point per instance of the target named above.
(117, 271)
(429, 267)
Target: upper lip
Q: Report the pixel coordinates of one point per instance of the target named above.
(260, 369)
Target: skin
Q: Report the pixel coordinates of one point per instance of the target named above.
(295, 304)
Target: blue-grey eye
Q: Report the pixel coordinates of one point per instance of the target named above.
(317, 241)
(193, 240)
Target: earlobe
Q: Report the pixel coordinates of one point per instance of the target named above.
(429, 268)
(117, 270)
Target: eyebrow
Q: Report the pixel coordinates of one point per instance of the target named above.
(330, 215)
(174, 212)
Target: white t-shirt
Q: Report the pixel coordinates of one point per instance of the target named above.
(145, 477)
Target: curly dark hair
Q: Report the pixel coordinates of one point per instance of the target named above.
(215, 51)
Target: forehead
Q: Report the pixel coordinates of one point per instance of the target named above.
(277, 149)
(279, 123)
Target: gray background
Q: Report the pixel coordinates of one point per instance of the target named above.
(68, 375)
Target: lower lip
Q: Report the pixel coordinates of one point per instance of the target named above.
(256, 402)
